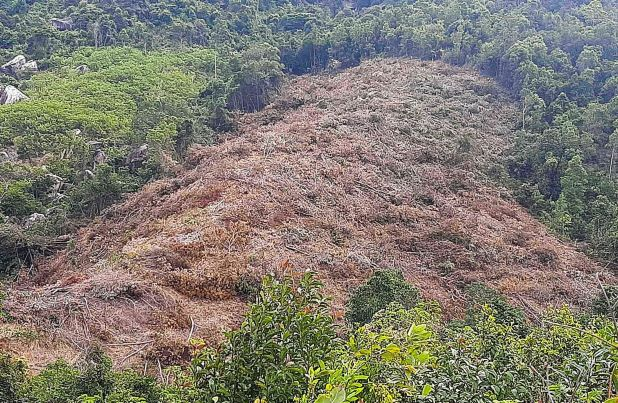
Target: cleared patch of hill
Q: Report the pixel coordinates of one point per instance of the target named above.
(381, 166)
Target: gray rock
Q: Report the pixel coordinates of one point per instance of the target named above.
(137, 157)
(19, 66)
(30, 67)
(8, 154)
(83, 69)
(10, 95)
(334, 65)
(60, 24)
(14, 66)
(99, 157)
(33, 219)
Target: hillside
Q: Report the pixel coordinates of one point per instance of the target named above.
(380, 166)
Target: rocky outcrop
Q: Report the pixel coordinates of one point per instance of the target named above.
(14, 65)
(8, 154)
(83, 69)
(18, 66)
(34, 219)
(30, 67)
(62, 24)
(137, 157)
(10, 95)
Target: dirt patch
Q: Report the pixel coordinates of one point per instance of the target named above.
(380, 166)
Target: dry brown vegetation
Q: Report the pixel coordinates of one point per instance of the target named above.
(382, 166)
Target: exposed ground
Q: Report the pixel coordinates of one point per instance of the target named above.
(382, 166)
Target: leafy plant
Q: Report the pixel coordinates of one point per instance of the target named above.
(12, 374)
(384, 287)
(481, 296)
(606, 302)
(287, 331)
(287, 350)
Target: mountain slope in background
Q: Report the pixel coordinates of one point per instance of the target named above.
(380, 166)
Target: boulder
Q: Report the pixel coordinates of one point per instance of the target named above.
(334, 65)
(136, 158)
(8, 155)
(60, 24)
(10, 95)
(99, 157)
(82, 69)
(30, 67)
(19, 65)
(14, 66)
(33, 219)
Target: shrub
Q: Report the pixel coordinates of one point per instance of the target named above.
(92, 195)
(606, 303)
(286, 332)
(58, 383)
(287, 350)
(380, 361)
(17, 200)
(12, 374)
(258, 76)
(92, 380)
(480, 296)
(19, 246)
(383, 287)
(247, 287)
(561, 360)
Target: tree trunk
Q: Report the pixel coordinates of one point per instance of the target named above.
(611, 162)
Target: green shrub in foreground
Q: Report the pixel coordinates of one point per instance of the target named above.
(383, 287)
(12, 374)
(479, 296)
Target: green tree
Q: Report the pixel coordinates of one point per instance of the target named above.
(571, 206)
(286, 332)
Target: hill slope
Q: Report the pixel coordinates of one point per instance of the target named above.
(379, 166)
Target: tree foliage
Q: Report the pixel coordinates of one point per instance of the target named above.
(384, 287)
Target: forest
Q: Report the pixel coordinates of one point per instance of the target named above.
(121, 89)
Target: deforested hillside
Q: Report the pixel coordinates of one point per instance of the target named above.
(385, 165)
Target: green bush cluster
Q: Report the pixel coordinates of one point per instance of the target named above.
(92, 380)
(481, 296)
(384, 287)
(77, 136)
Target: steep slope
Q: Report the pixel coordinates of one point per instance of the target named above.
(381, 166)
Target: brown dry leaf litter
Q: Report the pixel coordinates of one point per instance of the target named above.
(381, 166)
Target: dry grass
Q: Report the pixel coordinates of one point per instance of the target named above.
(379, 166)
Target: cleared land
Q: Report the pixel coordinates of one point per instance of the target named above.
(386, 165)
